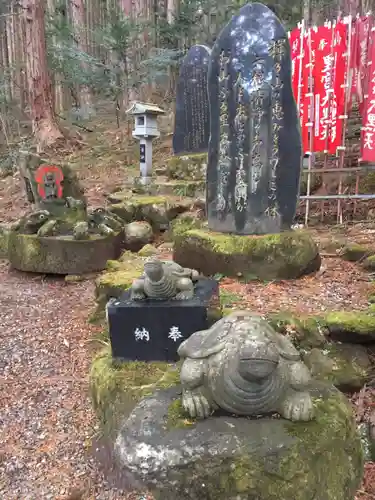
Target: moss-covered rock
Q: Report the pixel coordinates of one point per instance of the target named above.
(116, 388)
(346, 366)
(147, 251)
(228, 458)
(305, 332)
(137, 235)
(62, 255)
(4, 235)
(157, 210)
(369, 263)
(182, 188)
(352, 326)
(286, 255)
(187, 167)
(354, 252)
(118, 278)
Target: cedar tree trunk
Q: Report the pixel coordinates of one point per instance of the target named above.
(45, 127)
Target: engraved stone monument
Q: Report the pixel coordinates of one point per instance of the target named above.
(255, 154)
(192, 120)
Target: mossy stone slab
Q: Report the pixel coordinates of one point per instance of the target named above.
(286, 255)
(228, 458)
(62, 255)
(356, 327)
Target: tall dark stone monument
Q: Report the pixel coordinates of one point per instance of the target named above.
(192, 118)
(255, 153)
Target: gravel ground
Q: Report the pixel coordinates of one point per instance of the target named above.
(46, 422)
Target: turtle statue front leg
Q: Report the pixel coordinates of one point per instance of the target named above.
(185, 289)
(298, 405)
(194, 402)
(137, 290)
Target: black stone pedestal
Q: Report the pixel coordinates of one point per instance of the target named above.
(151, 330)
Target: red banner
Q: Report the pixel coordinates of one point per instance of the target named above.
(368, 129)
(354, 65)
(322, 75)
(295, 49)
(340, 68)
(363, 29)
(306, 99)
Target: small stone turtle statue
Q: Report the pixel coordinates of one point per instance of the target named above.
(164, 279)
(32, 222)
(241, 365)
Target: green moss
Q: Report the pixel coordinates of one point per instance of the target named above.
(274, 256)
(116, 387)
(61, 255)
(177, 418)
(187, 167)
(324, 461)
(4, 237)
(346, 367)
(228, 298)
(355, 252)
(352, 321)
(147, 251)
(369, 263)
(305, 331)
(183, 224)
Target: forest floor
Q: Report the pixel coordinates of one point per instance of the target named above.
(47, 425)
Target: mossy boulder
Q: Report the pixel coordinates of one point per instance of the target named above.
(369, 263)
(4, 236)
(346, 366)
(306, 332)
(137, 235)
(354, 252)
(182, 187)
(62, 255)
(187, 167)
(228, 458)
(116, 388)
(353, 326)
(119, 276)
(147, 251)
(157, 210)
(286, 255)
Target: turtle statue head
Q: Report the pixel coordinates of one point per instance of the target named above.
(258, 358)
(153, 269)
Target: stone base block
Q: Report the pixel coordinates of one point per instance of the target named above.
(228, 458)
(62, 255)
(285, 255)
(150, 330)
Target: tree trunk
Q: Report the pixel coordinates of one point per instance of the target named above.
(45, 127)
(78, 19)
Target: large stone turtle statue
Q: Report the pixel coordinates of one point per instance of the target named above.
(241, 365)
(164, 279)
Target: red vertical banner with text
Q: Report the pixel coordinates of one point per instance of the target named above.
(305, 100)
(354, 64)
(322, 75)
(295, 47)
(340, 69)
(363, 33)
(368, 128)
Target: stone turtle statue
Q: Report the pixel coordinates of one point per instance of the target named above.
(244, 367)
(164, 279)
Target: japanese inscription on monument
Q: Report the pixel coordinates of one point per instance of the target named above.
(255, 154)
(191, 129)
